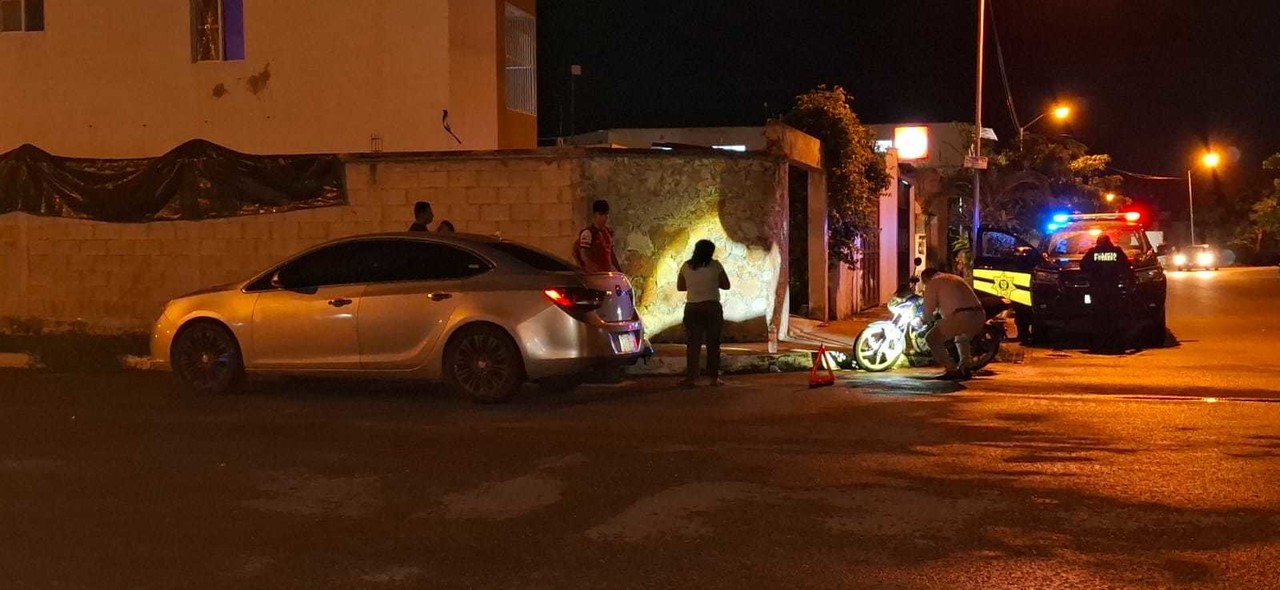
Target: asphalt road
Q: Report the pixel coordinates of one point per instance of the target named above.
(1068, 471)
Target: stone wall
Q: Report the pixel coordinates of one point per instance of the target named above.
(111, 277)
(663, 203)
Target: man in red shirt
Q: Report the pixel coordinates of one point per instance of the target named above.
(594, 250)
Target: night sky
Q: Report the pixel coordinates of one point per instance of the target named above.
(1152, 80)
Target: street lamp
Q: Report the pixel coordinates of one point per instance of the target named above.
(1209, 160)
(1060, 112)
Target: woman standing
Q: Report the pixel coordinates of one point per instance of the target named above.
(701, 279)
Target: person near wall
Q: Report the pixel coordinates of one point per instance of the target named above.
(962, 319)
(422, 217)
(701, 279)
(594, 249)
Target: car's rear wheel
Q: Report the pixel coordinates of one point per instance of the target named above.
(206, 359)
(484, 364)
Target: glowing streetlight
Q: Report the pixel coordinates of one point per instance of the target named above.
(1210, 160)
(1061, 112)
(1111, 197)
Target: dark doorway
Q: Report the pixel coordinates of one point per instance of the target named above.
(906, 241)
(798, 243)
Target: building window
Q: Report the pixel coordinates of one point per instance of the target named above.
(522, 63)
(21, 15)
(217, 30)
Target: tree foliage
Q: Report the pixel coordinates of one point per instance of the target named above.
(856, 174)
(1264, 215)
(1025, 183)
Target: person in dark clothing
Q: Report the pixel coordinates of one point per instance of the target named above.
(701, 279)
(423, 216)
(1110, 275)
(445, 227)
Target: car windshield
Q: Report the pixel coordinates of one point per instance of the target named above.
(1073, 242)
(537, 259)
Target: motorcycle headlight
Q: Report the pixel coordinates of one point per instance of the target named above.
(1179, 259)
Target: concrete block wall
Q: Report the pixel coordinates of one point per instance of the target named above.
(111, 277)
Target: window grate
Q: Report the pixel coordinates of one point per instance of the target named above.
(21, 15)
(521, 59)
(217, 30)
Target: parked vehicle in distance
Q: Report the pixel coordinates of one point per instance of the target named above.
(1198, 257)
(480, 313)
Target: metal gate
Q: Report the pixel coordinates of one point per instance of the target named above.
(868, 275)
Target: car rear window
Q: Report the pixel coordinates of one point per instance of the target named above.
(537, 259)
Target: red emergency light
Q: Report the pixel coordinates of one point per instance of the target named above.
(1132, 216)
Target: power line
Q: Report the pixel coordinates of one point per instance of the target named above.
(1004, 74)
(1141, 176)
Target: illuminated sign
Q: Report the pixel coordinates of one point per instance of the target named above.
(912, 143)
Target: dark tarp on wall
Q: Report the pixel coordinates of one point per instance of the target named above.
(197, 180)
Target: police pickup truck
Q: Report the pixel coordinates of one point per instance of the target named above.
(1049, 291)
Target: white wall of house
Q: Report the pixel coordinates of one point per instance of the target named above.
(117, 79)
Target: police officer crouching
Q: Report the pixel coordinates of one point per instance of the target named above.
(1110, 275)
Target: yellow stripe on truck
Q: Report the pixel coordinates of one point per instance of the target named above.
(1014, 286)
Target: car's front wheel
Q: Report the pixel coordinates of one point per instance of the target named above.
(1157, 329)
(206, 359)
(484, 364)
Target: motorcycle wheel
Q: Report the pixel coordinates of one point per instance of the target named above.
(984, 349)
(877, 348)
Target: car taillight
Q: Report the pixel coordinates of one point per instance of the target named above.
(575, 298)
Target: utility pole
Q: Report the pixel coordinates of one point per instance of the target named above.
(575, 70)
(977, 129)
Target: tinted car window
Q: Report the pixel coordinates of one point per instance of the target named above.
(340, 264)
(1073, 243)
(424, 261)
(534, 258)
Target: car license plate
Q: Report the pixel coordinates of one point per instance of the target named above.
(627, 343)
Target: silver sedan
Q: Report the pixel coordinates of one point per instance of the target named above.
(480, 313)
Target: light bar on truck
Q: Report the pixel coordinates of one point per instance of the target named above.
(1129, 216)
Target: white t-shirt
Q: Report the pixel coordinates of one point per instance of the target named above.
(702, 284)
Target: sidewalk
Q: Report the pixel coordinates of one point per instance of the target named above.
(795, 353)
(85, 352)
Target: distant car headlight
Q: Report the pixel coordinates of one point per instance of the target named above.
(1179, 259)
(1204, 258)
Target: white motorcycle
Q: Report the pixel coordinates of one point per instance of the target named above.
(882, 344)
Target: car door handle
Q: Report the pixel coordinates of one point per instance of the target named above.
(339, 302)
(440, 296)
